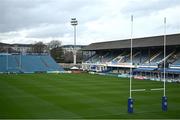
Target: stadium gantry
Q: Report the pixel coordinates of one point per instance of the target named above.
(113, 57)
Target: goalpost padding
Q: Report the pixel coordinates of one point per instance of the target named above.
(130, 105)
(164, 103)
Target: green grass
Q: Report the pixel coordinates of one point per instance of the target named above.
(82, 96)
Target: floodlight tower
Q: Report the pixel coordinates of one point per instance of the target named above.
(74, 23)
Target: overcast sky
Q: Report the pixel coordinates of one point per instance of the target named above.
(27, 21)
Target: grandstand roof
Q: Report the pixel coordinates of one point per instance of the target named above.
(173, 39)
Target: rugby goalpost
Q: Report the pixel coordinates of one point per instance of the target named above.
(164, 97)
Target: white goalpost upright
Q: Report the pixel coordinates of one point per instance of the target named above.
(130, 100)
(164, 56)
(164, 98)
(131, 57)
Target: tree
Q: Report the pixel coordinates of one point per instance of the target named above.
(56, 51)
(79, 56)
(39, 47)
(54, 44)
(57, 54)
(68, 57)
(2, 49)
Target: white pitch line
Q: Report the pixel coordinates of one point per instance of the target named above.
(136, 90)
(157, 89)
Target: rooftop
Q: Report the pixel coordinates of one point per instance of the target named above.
(153, 41)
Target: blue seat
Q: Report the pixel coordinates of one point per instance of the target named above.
(28, 63)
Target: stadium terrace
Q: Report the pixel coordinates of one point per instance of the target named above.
(113, 57)
(28, 63)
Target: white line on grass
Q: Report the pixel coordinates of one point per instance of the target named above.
(137, 90)
(157, 89)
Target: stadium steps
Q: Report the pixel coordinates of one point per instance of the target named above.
(29, 64)
(153, 57)
(168, 56)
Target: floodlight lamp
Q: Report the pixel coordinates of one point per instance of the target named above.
(74, 22)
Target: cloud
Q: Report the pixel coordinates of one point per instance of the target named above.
(145, 8)
(20, 14)
(99, 20)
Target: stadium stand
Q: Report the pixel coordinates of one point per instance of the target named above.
(26, 63)
(148, 57)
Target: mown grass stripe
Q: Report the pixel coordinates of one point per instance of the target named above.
(82, 96)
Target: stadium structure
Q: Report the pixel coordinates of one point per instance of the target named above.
(113, 57)
(28, 63)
